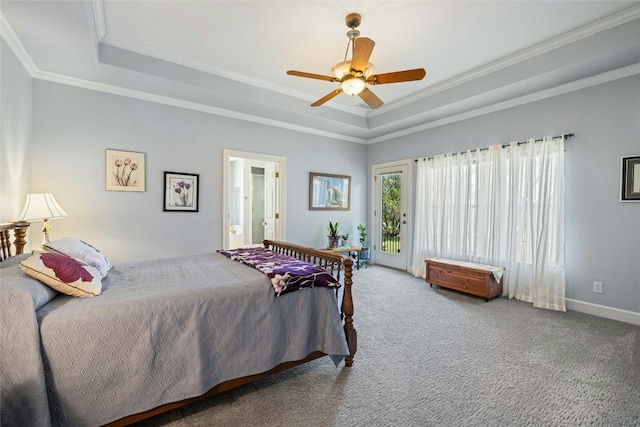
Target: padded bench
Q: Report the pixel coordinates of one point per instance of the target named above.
(475, 279)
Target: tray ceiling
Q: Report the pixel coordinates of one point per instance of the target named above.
(230, 57)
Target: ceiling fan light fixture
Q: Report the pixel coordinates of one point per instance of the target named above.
(341, 69)
(353, 85)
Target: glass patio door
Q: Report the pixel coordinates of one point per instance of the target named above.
(391, 216)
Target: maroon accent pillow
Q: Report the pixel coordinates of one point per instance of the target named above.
(64, 274)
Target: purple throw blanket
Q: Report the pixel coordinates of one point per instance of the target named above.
(287, 274)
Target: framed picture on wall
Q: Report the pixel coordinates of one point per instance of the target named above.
(124, 170)
(630, 174)
(329, 192)
(181, 192)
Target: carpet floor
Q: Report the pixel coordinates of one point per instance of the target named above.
(435, 357)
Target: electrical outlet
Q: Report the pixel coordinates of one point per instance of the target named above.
(597, 287)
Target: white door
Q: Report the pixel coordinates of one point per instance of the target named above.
(257, 205)
(391, 214)
(270, 201)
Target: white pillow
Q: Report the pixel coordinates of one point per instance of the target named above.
(83, 251)
(64, 274)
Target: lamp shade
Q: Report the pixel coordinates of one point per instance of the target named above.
(41, 206)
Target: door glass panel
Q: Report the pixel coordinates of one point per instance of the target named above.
(391, 191)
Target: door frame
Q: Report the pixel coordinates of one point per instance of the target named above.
(280, 227)
(374, 229)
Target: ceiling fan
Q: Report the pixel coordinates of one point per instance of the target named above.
(353, 74)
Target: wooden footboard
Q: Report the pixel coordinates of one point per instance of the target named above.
(338, 266)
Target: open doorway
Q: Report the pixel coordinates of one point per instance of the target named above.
(253, 198)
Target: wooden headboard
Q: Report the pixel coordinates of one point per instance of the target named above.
(16, 231)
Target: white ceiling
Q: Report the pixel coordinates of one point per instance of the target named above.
(231, 57)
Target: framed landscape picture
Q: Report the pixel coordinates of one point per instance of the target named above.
(181, 192)
(329, 192)
(630, 179)
(124, 170)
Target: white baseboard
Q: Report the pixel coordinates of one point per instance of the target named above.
(603, 311)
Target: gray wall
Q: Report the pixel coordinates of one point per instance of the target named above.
(58, 146)
(602, 234)
(72, 127)
(15, 134)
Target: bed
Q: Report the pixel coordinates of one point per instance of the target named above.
(161, 334)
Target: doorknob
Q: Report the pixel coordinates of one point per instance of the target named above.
(404, 222)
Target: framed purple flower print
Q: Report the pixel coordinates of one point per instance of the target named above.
(181, 192)
(124, 170)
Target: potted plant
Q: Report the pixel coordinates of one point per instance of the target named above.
(334, 234)
(345, 240)
(364, 251)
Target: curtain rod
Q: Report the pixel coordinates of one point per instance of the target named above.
(566, 136)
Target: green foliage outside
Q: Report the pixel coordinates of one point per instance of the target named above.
(391, 204)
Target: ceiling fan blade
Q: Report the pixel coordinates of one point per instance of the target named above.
(397, 77)
(361, 53)
(312, 76)
(327, 97)
(370, 98)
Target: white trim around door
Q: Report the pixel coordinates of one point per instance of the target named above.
(230, 191)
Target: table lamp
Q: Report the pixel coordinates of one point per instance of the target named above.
(42, 207)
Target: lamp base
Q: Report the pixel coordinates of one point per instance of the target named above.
(46, 227)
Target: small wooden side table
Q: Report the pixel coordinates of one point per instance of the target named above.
(352, 251)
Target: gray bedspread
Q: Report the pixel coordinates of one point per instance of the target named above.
(161, 331)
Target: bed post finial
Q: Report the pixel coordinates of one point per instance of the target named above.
(20, 235)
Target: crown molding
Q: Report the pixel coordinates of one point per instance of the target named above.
(97, 8)
(103, 37)
(526, 99)
(537, 96)
(180, 60)
(588, 30)
(10, 37)
(611, 21)
(160, 99)
(7, 34)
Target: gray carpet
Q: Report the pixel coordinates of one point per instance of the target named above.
(435, 357)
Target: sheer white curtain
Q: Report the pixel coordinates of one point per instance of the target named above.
(501, 206)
